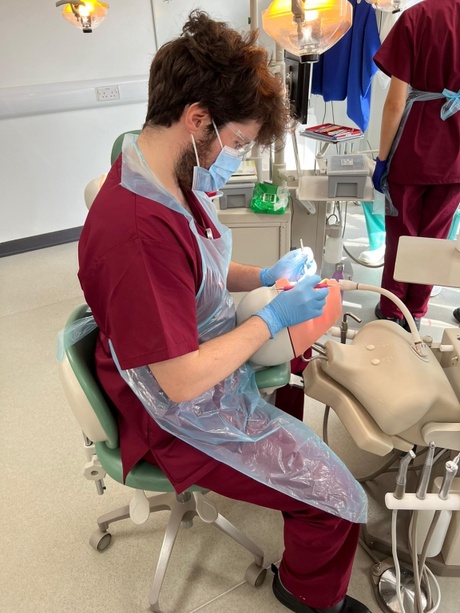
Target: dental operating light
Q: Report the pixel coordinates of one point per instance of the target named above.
(85, 15)
(307, 28)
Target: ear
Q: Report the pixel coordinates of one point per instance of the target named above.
(196, 118)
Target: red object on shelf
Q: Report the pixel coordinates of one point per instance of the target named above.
(332, 132)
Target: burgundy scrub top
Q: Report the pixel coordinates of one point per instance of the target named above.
(426, 57)
(140, 269)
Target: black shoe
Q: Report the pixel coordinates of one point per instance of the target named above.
(456, 314)
(405, 325)
(397, 320)
(347, 605)
(402, 322)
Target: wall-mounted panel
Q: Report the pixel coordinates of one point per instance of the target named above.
(72, 96)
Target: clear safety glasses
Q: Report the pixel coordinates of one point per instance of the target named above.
(244, 145)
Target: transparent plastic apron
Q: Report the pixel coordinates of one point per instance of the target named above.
(231, 422)
(449, 108)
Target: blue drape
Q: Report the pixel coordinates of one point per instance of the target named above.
(345, 71)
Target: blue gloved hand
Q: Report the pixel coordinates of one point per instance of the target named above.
(380, 167)
(295, 305)
(292, 266)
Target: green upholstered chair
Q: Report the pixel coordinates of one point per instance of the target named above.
(95, 185)
(94, 414)
(116, 148)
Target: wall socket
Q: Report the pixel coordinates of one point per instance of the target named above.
(111, 92)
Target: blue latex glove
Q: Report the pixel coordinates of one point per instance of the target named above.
(380, 167)
(295, 305)
(292, 266)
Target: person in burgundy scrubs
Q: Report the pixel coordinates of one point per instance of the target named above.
(418, 166)
(155, 269)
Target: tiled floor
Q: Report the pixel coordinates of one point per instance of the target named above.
(48, 510)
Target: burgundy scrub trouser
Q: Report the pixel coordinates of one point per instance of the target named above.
(319, 547)
(424, 211)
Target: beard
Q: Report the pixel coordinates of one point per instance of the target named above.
(183, 168)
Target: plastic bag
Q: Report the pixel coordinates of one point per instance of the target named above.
(268, 198)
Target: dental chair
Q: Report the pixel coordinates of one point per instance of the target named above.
(116, 148)
(94, 414)
(390, 389)
(95, 185)
(386, 394)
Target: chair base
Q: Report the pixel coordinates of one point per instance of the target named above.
(184, 507)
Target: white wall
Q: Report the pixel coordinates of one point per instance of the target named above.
(171, 15)
(47, 159)
(47, 163)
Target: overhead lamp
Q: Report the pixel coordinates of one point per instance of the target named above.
(389, 6)
(85, 15)
(307, 28)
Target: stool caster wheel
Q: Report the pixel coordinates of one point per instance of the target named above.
(255, 575)
(100, 540)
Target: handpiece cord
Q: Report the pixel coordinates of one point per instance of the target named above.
(436, 605)
(427, 572)
(419, 570)
(423, 554)
(347, 285)
(451, 470)
(394, 550)
(417, 582)
(421, 495)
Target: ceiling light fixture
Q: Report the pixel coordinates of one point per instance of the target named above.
(85, 15)
(307, 28)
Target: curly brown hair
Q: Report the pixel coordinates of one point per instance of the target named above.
(225, 72)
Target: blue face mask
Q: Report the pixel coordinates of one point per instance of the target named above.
(212, 179)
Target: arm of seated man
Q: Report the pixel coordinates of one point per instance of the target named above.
(189, 375)
(243, 278)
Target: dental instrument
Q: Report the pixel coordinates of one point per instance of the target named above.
(451, 471)
(401, 477)
(426, 472)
